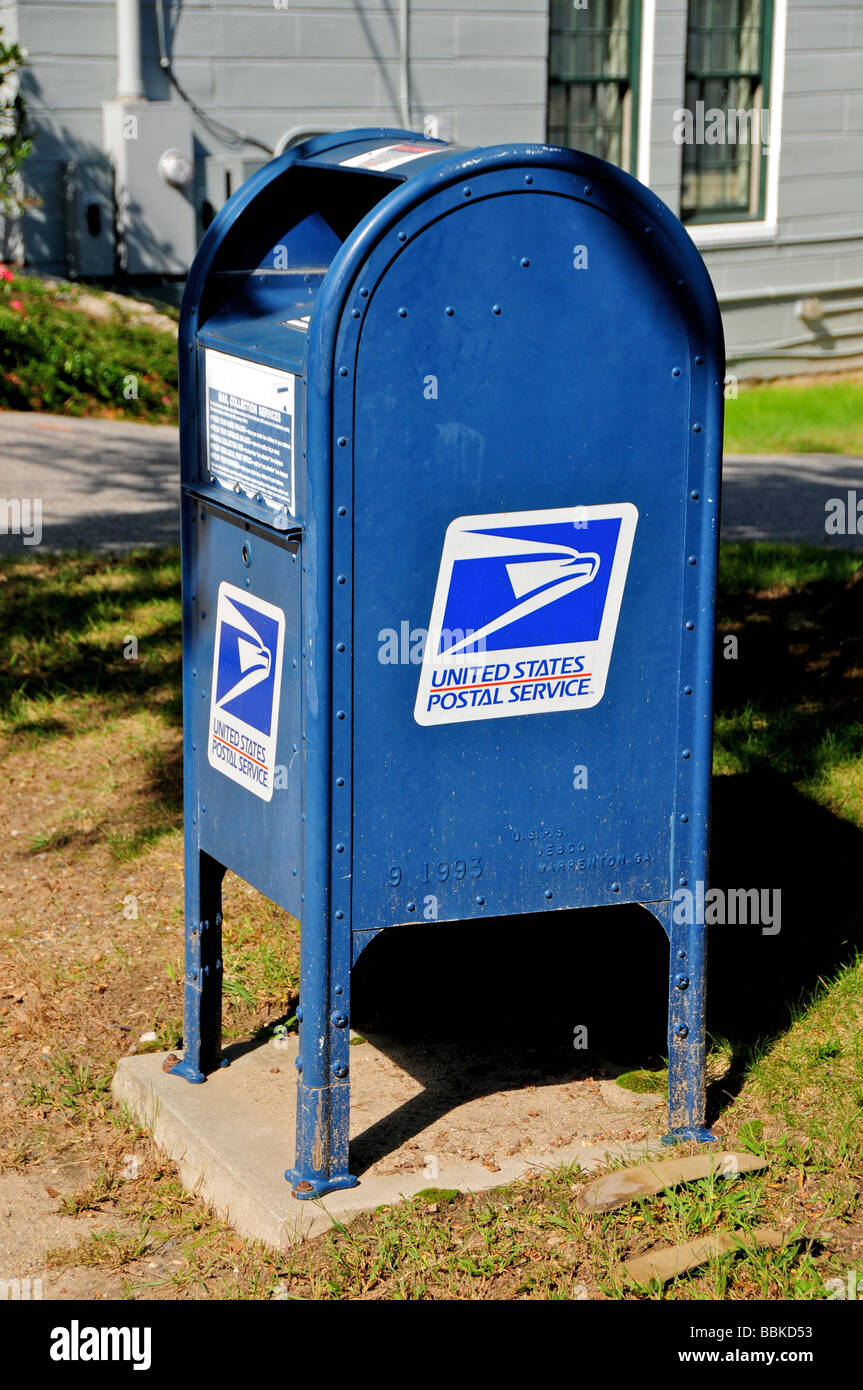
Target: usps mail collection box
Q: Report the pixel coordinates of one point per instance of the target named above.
(451, 435)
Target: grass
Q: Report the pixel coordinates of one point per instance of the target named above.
(824, 417)
(788, 692)
(644, 1082)
(72, 350)
(745, 568)
(66, 626)
(90, 960)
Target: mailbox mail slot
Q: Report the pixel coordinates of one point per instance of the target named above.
(451, 432)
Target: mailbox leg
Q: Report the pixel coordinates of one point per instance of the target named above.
(202, 1003)
(686, 1033)
(323, 1085)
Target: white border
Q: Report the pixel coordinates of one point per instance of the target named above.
(216, 364)
(598, 650)
(268, 742)
(645, 90)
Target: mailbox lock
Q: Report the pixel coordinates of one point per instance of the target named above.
(247, 557)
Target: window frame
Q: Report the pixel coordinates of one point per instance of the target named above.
(709, 236)
(630, 133)
(719, 216)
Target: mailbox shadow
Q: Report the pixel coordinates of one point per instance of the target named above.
(769, 835)
(473, 1009)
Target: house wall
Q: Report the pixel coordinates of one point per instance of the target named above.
(810, 245)
(481, 71)
(265, 68)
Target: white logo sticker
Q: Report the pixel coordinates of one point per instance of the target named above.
(525, 612)
(389, 156)
(247, 677)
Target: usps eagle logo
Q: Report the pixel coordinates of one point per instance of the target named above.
(525, 612)
(244, 706)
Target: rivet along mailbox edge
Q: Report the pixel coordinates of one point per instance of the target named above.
(475, 394)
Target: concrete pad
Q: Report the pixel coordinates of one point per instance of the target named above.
(421, 1116)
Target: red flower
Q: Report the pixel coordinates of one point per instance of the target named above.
(6, 275)
(16, 304)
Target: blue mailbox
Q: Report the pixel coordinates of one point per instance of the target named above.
(451, 438)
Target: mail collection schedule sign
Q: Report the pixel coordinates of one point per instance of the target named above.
(250, 418)
(525, 612)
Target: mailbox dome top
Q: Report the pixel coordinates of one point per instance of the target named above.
(309, 219)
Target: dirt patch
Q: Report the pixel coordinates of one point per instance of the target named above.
(90, 960)
(100, 306)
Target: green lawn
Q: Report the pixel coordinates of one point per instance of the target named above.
(824, 418)
(787, 693)
(70, 350)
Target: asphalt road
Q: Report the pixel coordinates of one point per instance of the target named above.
(108, 485)
(103, 484)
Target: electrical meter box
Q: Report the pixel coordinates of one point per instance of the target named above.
(451, 437)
